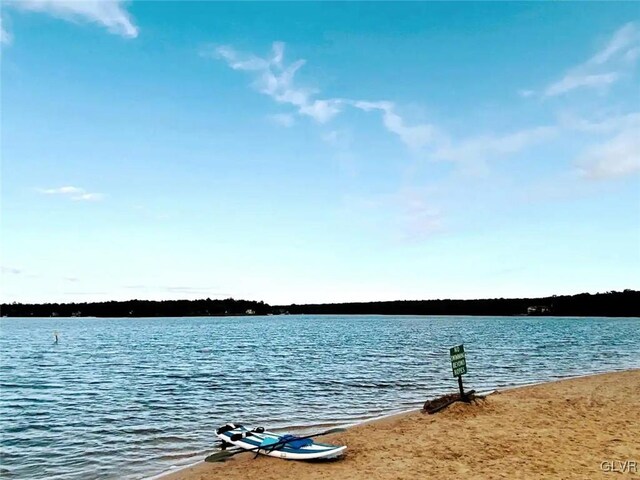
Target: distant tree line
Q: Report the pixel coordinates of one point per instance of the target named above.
(610, 304)
(138, 308)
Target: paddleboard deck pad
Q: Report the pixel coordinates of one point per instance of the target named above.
(260, 441)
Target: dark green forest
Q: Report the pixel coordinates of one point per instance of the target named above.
(610, 304)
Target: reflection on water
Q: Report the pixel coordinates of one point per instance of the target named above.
(125, 398)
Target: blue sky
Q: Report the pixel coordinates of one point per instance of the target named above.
(310, 152)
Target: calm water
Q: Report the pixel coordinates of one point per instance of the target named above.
(127, 398)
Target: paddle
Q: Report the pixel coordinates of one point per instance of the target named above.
(223, 455)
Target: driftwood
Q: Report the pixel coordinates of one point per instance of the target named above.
(440, 403)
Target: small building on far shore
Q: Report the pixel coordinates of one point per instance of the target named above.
(538, 310)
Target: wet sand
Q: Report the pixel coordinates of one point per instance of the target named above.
(557, 430)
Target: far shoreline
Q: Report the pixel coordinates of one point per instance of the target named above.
(351, 315)
(610, 304)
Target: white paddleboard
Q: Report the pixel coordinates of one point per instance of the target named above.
(263, 442)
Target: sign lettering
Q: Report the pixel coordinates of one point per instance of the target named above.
(458, 360)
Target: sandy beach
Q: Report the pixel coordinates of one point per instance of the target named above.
(578, 428)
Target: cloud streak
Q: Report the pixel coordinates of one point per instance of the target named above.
(110, 14)
(420, 219)
(5, 37)
(605, 67)
(615, 156)
(409, 212)
(11, 270)
(477, 149)
(618, 156)
(283, 119)
(576, 80)
(73, 193)
(276, 79)
(415, 137)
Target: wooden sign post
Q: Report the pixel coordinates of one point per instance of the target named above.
(459, 365)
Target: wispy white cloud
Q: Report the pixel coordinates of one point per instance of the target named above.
(62, 191)
(419, 218)
(616, 152)
(111, 14)
(330, 137)
(617, 156)
(12, 270)
(576, 80)
(415, 136)
(625, 39)
(5, 37)
(276, 79)
(89, 197)
(406, 215)
(334, 138)
(239, 61)
(605, 67)
(602, 125)
(469, 153)
(283, 119)
(73, 193)
(472, 153)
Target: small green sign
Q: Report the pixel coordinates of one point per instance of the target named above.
(458, 361)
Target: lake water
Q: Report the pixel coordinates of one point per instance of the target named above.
(128, 398)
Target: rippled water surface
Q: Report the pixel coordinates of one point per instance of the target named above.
(127, 398)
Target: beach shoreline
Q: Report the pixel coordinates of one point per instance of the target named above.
(577, 427)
